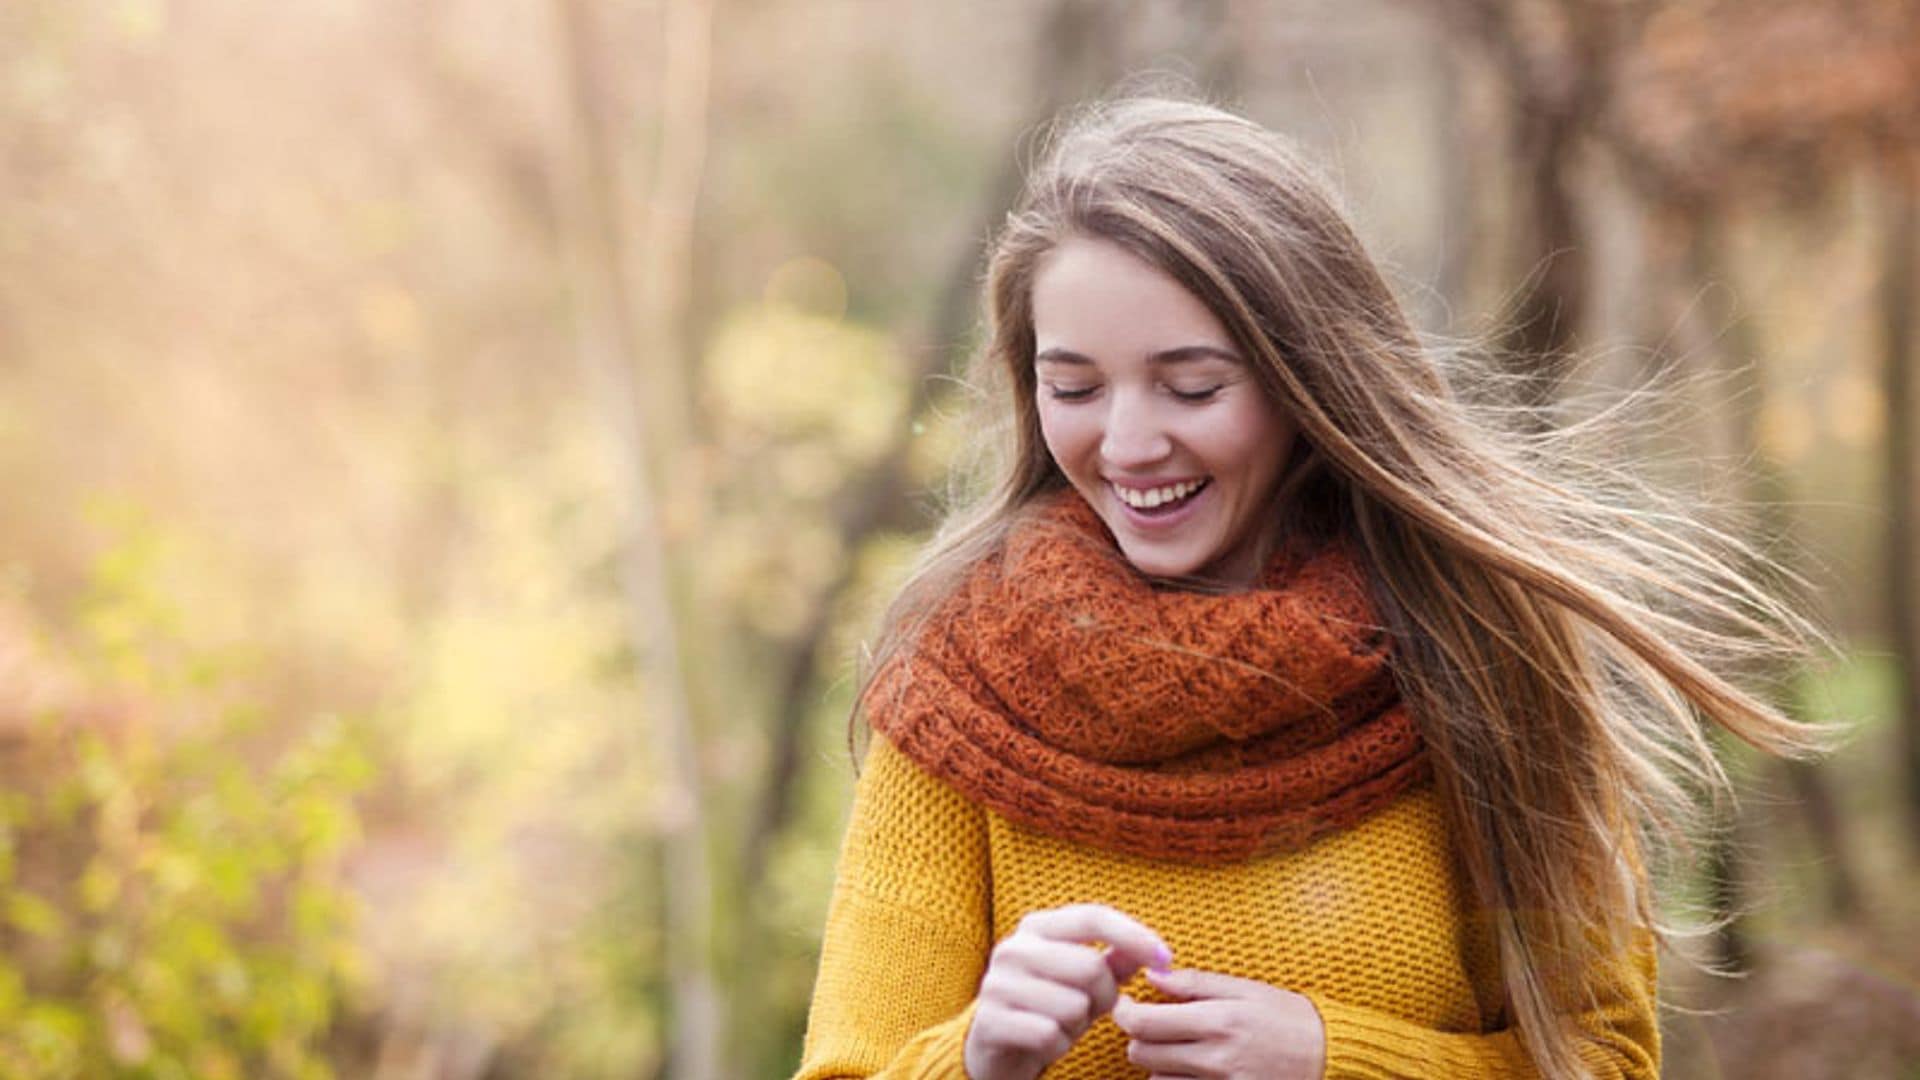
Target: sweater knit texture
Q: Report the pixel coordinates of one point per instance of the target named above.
(1371, 923)
(1058, 687)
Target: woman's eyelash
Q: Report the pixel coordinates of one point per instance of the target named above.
(1063, 394)
(1197, 395)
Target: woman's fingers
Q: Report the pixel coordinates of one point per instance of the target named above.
(1052, 943)
(1068, 1006)
(1071, 966)
(1170, 1059)
(1044, 986)
(1131, 945)
(1007, 1028)
(1170, 1023)
(1192, 984)
(1231, 1027)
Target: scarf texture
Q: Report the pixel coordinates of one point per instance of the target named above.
(1057, 686)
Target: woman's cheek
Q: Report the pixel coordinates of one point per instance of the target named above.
(1064, 433)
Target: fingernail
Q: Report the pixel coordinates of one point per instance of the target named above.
(1162, 960)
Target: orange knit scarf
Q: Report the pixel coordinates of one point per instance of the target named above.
(1058, 687)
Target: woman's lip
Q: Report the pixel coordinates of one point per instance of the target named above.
(1137, 485)
(1143, 523)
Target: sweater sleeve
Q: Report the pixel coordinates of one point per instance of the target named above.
(908, 930)
(1620, 1036)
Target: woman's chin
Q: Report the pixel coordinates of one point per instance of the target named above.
(1160, 564)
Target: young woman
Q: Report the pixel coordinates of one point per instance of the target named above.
(1271, 713)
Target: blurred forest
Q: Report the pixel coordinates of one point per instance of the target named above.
(452, 450)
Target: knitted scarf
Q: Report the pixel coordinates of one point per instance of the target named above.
(1060, 688)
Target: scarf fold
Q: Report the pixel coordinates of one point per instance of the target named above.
(1059, 688)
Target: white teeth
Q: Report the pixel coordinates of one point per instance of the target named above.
(1151, 497)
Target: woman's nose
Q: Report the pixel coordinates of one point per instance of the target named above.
(1133, 437)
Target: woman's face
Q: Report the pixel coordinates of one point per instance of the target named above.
(1151, 412)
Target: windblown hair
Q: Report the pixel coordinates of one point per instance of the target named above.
(1567, 634)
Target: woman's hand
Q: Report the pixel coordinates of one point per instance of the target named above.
(1223, 1027)
(1044, 986)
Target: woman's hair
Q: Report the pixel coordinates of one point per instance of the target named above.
(1562, 630)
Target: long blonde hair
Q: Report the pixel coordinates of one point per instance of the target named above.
(1564, 632)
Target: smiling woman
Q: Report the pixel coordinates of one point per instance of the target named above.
(1169, 438)
(1264, 653)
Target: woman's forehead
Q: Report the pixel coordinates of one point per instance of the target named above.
(1098, 300)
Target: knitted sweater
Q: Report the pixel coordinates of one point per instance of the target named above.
(1371, 924)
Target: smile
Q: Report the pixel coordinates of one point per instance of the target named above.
(1162, 499)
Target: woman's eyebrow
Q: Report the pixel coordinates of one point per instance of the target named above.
(1180, 355)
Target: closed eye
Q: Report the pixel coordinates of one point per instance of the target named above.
(1062, 393)
(1197, 395)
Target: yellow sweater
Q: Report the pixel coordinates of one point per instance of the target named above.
(1370, 924)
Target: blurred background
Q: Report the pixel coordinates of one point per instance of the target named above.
(451, 451)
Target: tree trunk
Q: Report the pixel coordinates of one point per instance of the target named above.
(1768, 494)
(1078, 53)
(1462, 175)
(1897, 294)
(1549, 254)
(613, 342)
(1685, 333)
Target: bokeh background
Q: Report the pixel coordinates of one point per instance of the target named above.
(451, 451)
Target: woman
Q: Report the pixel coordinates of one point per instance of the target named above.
(1272, 715)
